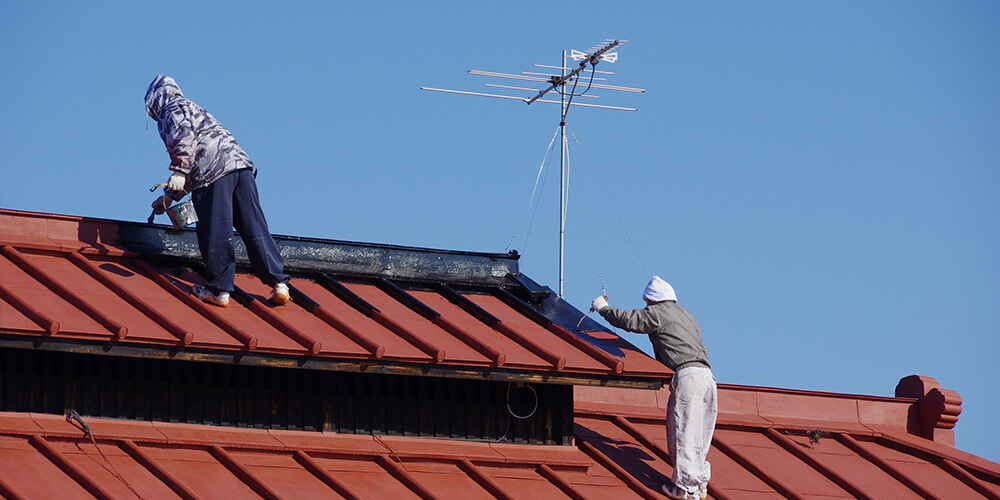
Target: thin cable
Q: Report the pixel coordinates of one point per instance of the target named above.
(608, 197)
(593, 69)
(531, 201)
(597, 252)
(589, 84)
(511, 413)
(392, 453)
(565, 198)
(71, 416)
(533, 410)
(573, 93)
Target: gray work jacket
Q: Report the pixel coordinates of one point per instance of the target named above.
(671, 328)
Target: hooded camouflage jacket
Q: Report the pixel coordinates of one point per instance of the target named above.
(198, 145)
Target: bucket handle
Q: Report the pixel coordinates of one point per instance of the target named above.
(165, 207)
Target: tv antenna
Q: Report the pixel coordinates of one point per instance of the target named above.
(566, 83)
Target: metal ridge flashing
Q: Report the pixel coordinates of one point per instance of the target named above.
(312, 255)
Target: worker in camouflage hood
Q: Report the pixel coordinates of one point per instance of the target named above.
(692, 407)
(206, 161)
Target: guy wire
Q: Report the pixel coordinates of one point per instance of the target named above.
(613, 210)
(595, 246)
(531, 200)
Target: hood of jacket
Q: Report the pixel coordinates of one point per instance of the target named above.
(162, 90)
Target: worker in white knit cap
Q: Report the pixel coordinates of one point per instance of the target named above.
(692, 408)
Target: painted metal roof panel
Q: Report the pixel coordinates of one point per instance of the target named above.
(770, 443)
(12, 319)
(352, 324)
(423, 331)
(365, 477)
(837, 459)
(20, 460)
(781, 465)
(616, 456)
(456, 317)
(518, 481)
(834, 456)
(66, 279)
(120, 274)
(731, 476)
(302, 323)
(19, 284)
(574, 359)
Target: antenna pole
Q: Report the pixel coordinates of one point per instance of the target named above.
(562, 178)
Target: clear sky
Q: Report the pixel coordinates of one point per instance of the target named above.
(818, 180)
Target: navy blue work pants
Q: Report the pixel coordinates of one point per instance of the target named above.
(230, 202)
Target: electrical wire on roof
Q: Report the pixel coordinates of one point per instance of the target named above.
(510, 411)
(392, 452)
(73, 417)
(533, 410)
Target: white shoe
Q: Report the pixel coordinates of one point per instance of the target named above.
(220, 299)
(673, 491)
(280, 295)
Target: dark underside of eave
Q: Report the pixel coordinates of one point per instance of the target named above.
(273, 397)
(298, 361)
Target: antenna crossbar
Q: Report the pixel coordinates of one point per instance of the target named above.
(616, 87)
(539, 79)
(564, 68)
(474, 93)
(523, 99)
(550, 76)
(584, 105)
(566, 76)
(593, 59)
(525, 89)
(507, 75)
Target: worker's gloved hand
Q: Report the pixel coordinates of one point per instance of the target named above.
(599, 303)
(161, 204)
(176, 182)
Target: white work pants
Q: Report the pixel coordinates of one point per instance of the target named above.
(691, 413)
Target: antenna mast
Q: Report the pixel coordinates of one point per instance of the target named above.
(558, 82)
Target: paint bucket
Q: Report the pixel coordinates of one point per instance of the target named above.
(182, 214)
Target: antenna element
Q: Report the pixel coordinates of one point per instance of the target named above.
(567, 76)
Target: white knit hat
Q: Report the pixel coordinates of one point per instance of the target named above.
(658, 290)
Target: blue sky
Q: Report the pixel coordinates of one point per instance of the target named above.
(818, 180)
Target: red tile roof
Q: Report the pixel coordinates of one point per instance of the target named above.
(83, 285)
(795, 444)
(620, 452)
(71, 278)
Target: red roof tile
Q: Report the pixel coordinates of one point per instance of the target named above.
(90, 286)
(618, 454)
(73, 278)
(801, 452)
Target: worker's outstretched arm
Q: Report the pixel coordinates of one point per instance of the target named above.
(636, 320)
